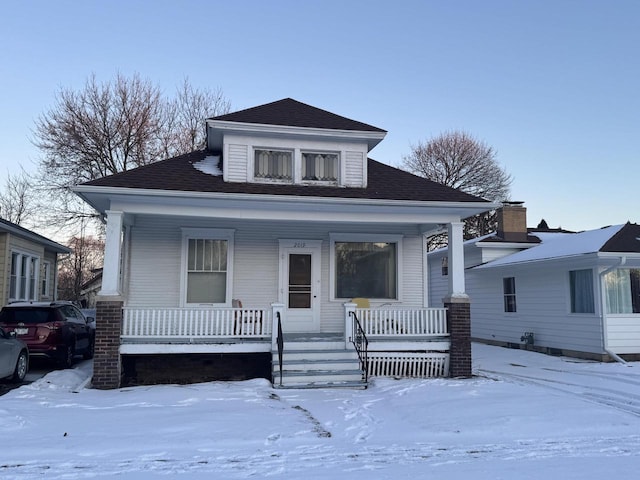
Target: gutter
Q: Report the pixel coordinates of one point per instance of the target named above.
(613, 355)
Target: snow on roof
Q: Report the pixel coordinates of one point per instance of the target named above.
(558, 245)
(209, 165)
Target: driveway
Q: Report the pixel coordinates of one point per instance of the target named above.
(38, 368)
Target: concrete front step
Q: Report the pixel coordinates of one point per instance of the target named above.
(321, 364)
(333, 354)
(305, 385)
(317, 363)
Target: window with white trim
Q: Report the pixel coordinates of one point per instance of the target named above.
(45, 280)
(319, 166)
(365, 268)
(622, 291)
(24, 276)
(207, 260)
(509, 287)
(273, 165)
(581, 286)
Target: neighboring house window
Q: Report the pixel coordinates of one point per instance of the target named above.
(273, 165)
(322, 167)
(623, 290)
(581, 284)
(445, 266)
(24, 277)
(368, 269)
(509, 286)
(207, 258)
(45, 281)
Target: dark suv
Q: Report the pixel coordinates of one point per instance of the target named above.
(57, 330)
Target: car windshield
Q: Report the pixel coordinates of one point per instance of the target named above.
(26, 315)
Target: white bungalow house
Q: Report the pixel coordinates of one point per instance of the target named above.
(575, 294)
(281, 225)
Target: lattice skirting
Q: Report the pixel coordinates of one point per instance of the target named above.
(408, 364)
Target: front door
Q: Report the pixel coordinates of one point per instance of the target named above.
(300, 285)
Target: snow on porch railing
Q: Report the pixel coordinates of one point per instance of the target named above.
(402, 322)
(196, 323)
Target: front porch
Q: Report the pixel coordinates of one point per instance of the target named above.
(400, 341)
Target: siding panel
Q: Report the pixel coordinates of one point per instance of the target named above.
(156, 249)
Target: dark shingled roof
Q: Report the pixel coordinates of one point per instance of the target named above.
(384, 183)
(291, 113)
(627, 240)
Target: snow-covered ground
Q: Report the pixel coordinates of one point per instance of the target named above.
(524, 416)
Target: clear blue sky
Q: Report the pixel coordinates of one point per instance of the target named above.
(553, 86)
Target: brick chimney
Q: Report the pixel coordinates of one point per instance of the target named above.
(512, 222)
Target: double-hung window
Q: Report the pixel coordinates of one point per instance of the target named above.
(207, 260)
(366, 268)
(24, 276)
(581, 285)
(509, 288)
(273, 165)
(45, 280)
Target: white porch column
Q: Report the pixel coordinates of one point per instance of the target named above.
(276, 308)
(348, 323)
(112, 254)
(456, 261)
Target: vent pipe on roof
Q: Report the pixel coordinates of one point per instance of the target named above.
(512, 222)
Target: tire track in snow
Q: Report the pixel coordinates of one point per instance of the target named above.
(620, 400)
(267, 462)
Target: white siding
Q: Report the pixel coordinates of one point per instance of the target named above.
(154, 280)
(543, 307)
(236, 163)
(238, 158)
(623, 333)
(354, 169)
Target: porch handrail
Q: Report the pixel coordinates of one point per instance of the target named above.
(361, 344)
(280, 343)
(140, 322)
(403, 321)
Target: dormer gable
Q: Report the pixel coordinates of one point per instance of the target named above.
(290, 142)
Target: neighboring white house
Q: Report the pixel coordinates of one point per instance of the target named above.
(574, 294)
(282, 218)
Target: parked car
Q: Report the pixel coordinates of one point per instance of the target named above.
(14, 357)
(57, 330)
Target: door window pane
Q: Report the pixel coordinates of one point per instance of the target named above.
(299, 281)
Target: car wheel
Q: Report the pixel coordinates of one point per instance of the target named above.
(89, 352)
(66, 360)
(22, 366)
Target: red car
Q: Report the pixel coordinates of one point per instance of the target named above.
(57, 330)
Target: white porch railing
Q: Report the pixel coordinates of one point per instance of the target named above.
(402, 322)
(193, 323)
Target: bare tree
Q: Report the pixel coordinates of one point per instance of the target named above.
(76, 268)
(185, 118)
(458, 160)
(18, 201)
(111, 127)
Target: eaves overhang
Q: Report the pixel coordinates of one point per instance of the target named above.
(270, 206)
(219, 127)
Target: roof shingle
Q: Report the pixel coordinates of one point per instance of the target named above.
(384, 183)
(292, 113)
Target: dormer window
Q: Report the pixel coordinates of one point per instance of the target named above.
(320, 167)
(274, 165)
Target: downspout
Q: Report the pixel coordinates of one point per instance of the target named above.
(603, 301)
